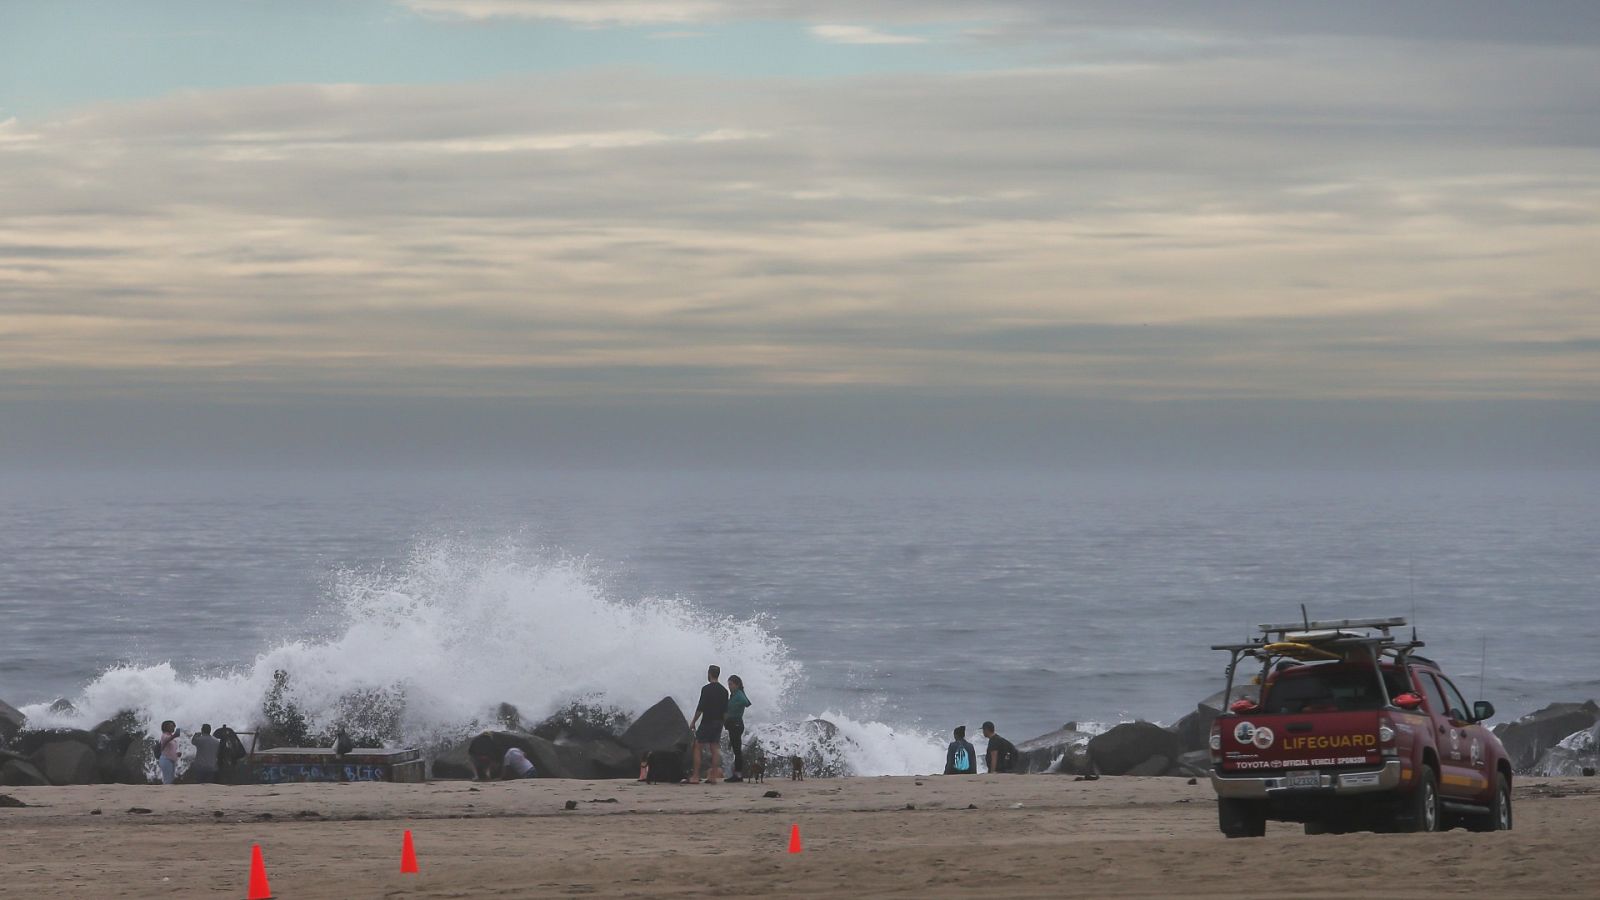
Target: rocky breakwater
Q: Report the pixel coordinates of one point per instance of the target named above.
(113, 752)
(1131, 748)
(1561, 739)
(1064, 751)
(575, 743)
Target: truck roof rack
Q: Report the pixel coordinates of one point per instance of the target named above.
(1382, 624)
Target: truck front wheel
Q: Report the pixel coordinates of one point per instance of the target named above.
(1499, 815)
(1242, 818)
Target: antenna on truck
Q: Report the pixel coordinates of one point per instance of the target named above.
(1483, 665)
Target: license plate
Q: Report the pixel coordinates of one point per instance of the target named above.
(1302, 780)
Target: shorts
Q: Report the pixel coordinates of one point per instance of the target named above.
(709, 732)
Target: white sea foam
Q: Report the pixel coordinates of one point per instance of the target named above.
(461, 628)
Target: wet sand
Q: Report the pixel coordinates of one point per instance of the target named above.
(1028, 836)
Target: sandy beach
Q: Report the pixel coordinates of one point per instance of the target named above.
(903, 836)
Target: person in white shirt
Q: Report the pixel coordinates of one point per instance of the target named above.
(516, 764)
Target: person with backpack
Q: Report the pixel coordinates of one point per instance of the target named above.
(1001, 753)
(959, 757)
(167, 752)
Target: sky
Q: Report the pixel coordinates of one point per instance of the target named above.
(726, 231)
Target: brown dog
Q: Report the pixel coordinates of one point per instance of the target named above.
(756, 770)
(797, 768)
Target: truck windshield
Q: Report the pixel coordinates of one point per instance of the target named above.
(1330, 688)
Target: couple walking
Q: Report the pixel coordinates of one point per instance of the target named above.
(716, 710)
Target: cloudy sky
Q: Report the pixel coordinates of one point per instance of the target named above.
(310, 225)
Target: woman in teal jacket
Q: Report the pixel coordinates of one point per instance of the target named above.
(734, 722)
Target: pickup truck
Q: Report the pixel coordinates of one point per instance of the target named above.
(1351, 730)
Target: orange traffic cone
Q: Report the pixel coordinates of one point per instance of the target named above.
(794, 839)
(259, 889)
(408, 856)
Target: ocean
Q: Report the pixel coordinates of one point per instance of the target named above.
(896, 605)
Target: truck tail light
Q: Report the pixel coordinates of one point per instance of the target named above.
(1215, 742)
(1386, 735)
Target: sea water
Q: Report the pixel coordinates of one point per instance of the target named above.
(896, 605)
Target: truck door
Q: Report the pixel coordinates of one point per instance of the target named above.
(1474, 740)
(1457, 777)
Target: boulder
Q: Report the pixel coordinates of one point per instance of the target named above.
(602, 757)
(1193, 764)
(508, 717)
(19, 773)
(576, 724)
(1577, 754)
(123, 760)
(1125, 747)
(1527, 739)
(125, 722)
(26, 743)
(67, 762)
(1151, 768)
(11, 721)
(451, 762)
(64, 706)
(454, 761)
(662, 727)
(1194, 729)
(1061, 752)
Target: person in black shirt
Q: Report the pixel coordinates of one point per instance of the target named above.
(707, 725)
(959, 757)
(1002, 753)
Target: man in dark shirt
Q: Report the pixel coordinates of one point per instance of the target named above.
(707, 725)
(959, 757)
(1002, 753)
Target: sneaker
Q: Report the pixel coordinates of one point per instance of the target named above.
(734, 779)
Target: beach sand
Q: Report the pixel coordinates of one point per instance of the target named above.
(1029, 836)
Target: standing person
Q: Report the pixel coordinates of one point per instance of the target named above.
(959, 757)
(707, 725)
(734, 721)
(1002, 754)
(203, 770)
(167, 752)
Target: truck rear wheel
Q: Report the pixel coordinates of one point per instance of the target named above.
(1242, 818)
(1420, 810)
(1499, 816)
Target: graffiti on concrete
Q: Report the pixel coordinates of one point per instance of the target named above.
(279, 773)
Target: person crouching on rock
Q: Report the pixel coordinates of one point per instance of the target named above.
(707, 726)
(516, 764)
(482, 752)
(167, 752)
(959, 757)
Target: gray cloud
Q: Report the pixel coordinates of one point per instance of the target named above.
(1535, 21)
(1299, 219)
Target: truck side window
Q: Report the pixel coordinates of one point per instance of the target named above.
(1457, 703)
(1430, 690)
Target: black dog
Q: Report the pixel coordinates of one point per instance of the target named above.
(665, 766)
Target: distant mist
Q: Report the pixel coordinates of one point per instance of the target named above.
(875, 431)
